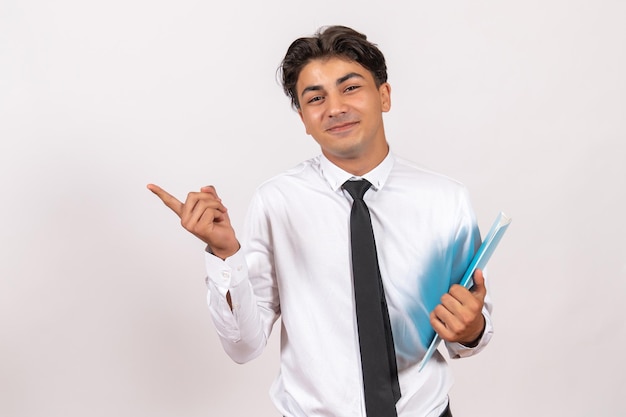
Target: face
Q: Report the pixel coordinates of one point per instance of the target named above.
(342, 108)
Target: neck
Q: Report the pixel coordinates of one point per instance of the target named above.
(359, 165)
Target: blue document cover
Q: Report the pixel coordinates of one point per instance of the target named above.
(479, 261)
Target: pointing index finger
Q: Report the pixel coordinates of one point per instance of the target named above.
(169, 200)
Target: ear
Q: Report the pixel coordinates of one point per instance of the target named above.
(385, 97)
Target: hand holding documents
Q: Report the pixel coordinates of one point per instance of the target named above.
(479, 261)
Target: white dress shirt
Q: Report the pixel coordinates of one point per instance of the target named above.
(295, 264)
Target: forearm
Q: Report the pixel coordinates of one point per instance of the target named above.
(240, 322)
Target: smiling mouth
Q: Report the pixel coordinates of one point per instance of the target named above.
(341, 127)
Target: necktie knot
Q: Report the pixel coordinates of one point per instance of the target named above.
(357, 188)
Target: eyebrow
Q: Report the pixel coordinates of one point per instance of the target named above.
(339, 81)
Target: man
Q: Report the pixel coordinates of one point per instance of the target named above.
(296, 262)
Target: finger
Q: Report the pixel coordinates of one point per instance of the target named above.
(470, 303)
(197, 203)
(436, 322)
(209, 189)
(169, 200)
(462, 304)
(451, 302)
(479, 289)
(201, 217)
(438, 326)
(442, 322)
(210, 217)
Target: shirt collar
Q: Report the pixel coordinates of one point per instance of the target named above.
(336, 176)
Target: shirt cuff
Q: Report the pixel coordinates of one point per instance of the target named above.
(227, 273)
(224, 276)
(459, 350)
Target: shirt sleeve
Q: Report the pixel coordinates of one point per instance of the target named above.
(468, 237)
(249, 279)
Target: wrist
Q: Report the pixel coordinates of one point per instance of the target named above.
(476, 340)
(223, 253)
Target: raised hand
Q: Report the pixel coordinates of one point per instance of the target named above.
(459, 317)
(203, 215)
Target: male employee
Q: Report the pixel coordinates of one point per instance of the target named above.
(302, 252)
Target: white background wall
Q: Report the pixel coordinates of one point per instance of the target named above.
(102, 296)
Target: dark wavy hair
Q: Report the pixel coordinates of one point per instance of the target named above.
(330, 42)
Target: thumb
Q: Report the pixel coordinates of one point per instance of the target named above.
(478, 289)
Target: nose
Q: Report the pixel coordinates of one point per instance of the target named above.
(336, 105)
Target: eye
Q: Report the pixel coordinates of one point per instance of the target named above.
(314, 99)
(352, 88)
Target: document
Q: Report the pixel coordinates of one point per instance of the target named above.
(479, 261)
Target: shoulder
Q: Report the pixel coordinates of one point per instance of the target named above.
(418, 176)
(294, 182)
(441, 196)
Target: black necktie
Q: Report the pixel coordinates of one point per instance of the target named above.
(378, 359)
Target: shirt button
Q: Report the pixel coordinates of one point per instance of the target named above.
(225, 275)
